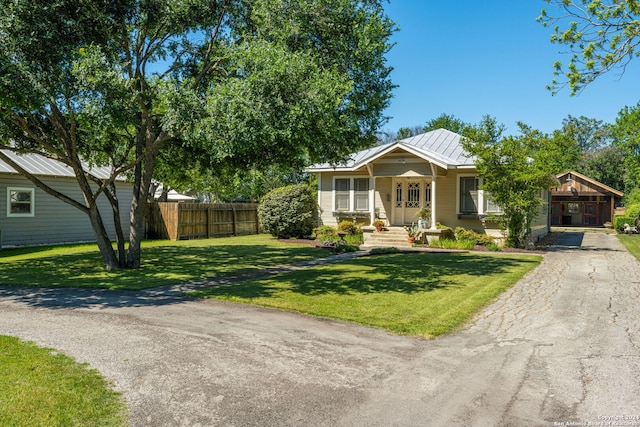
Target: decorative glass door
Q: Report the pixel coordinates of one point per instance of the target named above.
(409, 196)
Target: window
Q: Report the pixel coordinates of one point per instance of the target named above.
(468, 194)
(20, 202)
(342, 194)
(489, 205)
(351, 194)
(574, 208)
(361, 195)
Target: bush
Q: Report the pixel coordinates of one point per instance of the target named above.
(382, 251)
(326, 233)
(349, 227)
(453, 244)
(620, 220)
(341, 249)
(289, 211)
(480, 239)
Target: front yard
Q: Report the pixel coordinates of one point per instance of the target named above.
(425, 294)
(422, 294)
(165, 262)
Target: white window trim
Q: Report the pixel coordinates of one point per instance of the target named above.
(352, 191)
(481, 197)
(33, 202)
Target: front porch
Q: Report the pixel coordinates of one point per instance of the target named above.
(396, 237)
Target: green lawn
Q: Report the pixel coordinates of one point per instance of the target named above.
(39, 387)
(632, 242)
(407, 293)
(164, 262)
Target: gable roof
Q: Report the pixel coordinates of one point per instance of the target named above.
(41, 166)
(440, 147)
(592, 181)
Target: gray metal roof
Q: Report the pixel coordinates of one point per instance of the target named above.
(440, 146)
(41, 166)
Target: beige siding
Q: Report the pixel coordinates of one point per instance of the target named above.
(55, 221)
(383, 192)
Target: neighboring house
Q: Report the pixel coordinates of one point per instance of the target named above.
(581, 201)
(393, 181)
(29, 216)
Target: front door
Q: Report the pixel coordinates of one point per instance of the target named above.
(410, 195)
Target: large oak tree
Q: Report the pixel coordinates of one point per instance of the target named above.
(143, 85)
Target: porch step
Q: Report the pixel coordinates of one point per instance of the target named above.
(387, 238)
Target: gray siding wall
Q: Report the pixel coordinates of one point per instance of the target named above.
(55, 221)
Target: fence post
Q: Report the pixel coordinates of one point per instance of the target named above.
(233, 220)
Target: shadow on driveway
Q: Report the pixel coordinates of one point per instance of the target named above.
(84, 298)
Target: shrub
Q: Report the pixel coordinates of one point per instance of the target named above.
(494, 247)
(289, 211)
(340, 249)
(620, 220)
(381, 251)
(326, 233)
(349, 227)
(479, 238)
(453, 244)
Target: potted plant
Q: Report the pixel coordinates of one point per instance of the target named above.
(424, 217)
(378, 224)
(413, 231)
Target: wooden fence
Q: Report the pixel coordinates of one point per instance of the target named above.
(181, 221)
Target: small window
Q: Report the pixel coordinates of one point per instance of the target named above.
(20, 202)
(468, 194)
(574, 208)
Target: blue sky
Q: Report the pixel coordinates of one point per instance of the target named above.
(469, 58)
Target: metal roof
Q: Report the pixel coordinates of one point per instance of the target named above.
(440, 146)
(41, 166)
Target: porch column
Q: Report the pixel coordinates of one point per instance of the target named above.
(433, 202)
(372, 200)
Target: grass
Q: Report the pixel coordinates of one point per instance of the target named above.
(164, 262)
(453, 244)
(39, 387)
(632, 243)
(406, 293)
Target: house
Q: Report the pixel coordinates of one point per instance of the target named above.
(392, 182)
(29, 216)
(581, 201)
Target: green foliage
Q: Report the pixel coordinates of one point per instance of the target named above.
(382, 251)
(289, 212)
(349, 227)
(378, 223)
(481, 239)
(341, 249)
(632, 203)
(452, 244)
(493, 247)
(326, 233)
(620, 220)
(625, 133)
(448, 122)
(602, 36)
(515, 169)
(264, 84)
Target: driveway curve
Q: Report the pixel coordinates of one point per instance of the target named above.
(559, 348)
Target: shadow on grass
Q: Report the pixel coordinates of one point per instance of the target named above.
(162, 266)
(403, 273)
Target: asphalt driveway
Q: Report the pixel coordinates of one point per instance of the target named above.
(561, 346)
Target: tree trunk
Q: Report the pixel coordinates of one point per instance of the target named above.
(102, 238)
(115, 206)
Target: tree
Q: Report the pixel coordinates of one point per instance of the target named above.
(514, 170)
(144, 86)
(448, 122)
(602, 36)
(625, 133)
(405, 132)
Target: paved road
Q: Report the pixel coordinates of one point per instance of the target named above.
(561, 346)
